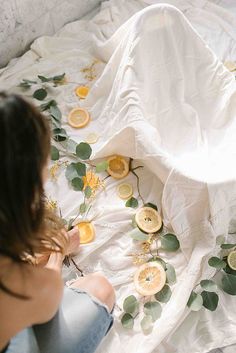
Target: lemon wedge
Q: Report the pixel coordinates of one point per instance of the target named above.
(86, 231)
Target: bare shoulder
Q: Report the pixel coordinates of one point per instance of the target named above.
(42, 287)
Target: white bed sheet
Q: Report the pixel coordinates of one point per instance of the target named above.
(168, 180)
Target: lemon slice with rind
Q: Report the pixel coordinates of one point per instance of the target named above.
(125, 191)
(78, 118)
(149, 278)
(230, 65)
(86, 231)
(118, 167)
(148, 220)
(91, 138)
(82, 91)
(231, 259)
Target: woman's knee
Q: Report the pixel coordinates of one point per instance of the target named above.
(99, 287)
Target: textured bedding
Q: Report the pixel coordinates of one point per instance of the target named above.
(163, 97)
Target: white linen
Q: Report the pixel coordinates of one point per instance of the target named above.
(165, 99)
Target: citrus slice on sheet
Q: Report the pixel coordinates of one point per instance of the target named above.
(118, 167)
(125, 191)
(82, 91)
(78, 117)
(86, 231)
(231, 259)
(91, 138)
(230, 65)
(149, 278)
(148, 220)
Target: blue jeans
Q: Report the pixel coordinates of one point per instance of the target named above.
(78, 327)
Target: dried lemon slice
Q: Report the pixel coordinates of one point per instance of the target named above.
(82, 91)
(231, 259)
(118, 167)
(91, 138)
(230, 65)
(86, 231)
(78, 117)
(148, 220)
(149, 278)
(125, 191)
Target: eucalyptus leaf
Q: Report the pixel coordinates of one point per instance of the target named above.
(77, 184)
(228, 283)
(71, 172)
(136, 234)
(69, 225)
(59, 134)
(164, 295)
(208, 285)
(146, 323)
(210, 300)
(170, 274)
(40, 94)
(83, 208)
(228, 246)
(216, 262)
(220, 239)
(153, 309)
(132, 202)
(44, 79)
(149, 204)
(55, 112)
(195, 301)
(133, 223)
(88, 192)
(71, 146)
(102, 166)
(130, 304)
(80, 168)
(127, 321)
(169, 242)
(55, 155)
(159, 260)
(47, 105)
(58, 78)
(83, 150)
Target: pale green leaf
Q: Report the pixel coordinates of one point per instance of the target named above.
(130, 304)
(55, 155)
(195, 301)
(170, 274)
(132, 202)
(164, 295)
(127, 321)
(208, 285)
(101, 167)
(169, 242)
(210, 300)
(153, 309)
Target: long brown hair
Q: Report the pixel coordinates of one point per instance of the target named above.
(26, 227)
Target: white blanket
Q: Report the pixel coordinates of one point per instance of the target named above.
(165, 99)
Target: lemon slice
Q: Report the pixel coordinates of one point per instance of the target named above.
(86, 231)
(118, 167)
(91, 138)
(149, 278)
(78, 118)
(82, 91)
(125, 191)
(231, 259)
(148, 220)
(230, 65)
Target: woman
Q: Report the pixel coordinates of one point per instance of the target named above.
(36, 316)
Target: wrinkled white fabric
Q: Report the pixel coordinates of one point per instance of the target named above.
(165, 99)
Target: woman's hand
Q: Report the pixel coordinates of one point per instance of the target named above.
(74, 241)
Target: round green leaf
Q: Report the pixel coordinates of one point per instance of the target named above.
(164, 295)
(228, 283)
(210, 300)
(195, 301)
(136, 234)
(227, 246)
(159, 260)
(55, 155)
(71, 146)
(88, 192)
(83, 150)
(216, 262)
(208, 285)
(80, 168)
(146, 322)
(132, 202)
(153, 309)
(40, 94)
(130, 304)
(83, 208)
(229, 270)
(101, 167)
(169, 242)
(127, 321)
(170, 274)
(77, 184)
(71, 172)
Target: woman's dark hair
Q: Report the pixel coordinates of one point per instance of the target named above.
(26, 227)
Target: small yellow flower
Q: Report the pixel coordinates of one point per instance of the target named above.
(92, 180)
(51, 204)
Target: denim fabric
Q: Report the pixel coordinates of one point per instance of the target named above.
(78, 327)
